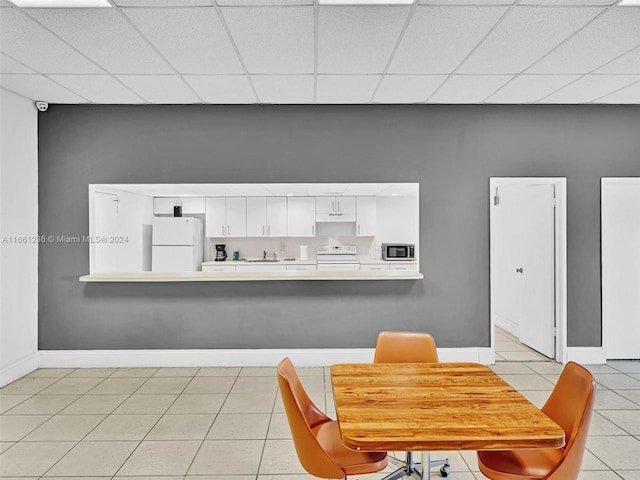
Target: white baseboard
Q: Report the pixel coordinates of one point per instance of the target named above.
(19, 368)
(303, 357)
(585, 355)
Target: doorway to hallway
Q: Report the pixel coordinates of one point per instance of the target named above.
(528, 265)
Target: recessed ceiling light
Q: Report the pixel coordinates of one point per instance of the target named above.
(394, 194)
(365, 2)
(61, 3)
(629, 3)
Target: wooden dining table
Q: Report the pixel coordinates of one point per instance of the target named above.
(435, 406)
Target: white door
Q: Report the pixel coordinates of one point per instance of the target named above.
(523, 255)
(621, 268)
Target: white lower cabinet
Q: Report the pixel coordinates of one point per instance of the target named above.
(261, 268)
(374, 266)
(219, 268)
(301, 267)
(408, 267)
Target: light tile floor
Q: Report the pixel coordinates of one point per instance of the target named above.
(215, 423)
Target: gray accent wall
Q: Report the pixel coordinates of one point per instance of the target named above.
(452, 151)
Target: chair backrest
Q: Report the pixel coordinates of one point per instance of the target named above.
(303, 415)
(570, 405)
(405, 347)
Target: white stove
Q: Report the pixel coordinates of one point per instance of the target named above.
(337, 257)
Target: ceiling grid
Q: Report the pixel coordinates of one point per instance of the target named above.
(302, 51)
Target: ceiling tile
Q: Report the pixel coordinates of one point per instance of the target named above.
(160, 88)
(407, 88)
(630, 94)
(9, 65)
(227, 89)
(273, 40)
(627, 63)
(523, 36)
(284, 88)
(358, 39)
(345, 88)
(466, 2)
(469, 88)
(193, 40)
(262, 3)
(39, 87)
(28, 42)
(613, 33)
(162, 3)
(98, 88)
(530, 88)
(105, 36)
(439, 38)
(590, 88)
(573, 3)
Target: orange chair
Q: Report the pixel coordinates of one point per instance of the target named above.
(570, 406)
(317, 437)
(409, 347)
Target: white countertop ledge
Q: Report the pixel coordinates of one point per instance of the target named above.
(251, 276)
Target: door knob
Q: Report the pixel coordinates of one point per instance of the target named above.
(519, 270)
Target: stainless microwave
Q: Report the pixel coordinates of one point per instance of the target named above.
(398, 251)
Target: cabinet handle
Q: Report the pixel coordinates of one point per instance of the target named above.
(263, 232)
(228, 230)
(358, 229)
(338, 205)
(223, 230)
(333, 206)
(268, 230)
(313, 230)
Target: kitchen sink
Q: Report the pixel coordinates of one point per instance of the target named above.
(263, 260)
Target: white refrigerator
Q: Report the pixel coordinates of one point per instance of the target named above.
(177, 244)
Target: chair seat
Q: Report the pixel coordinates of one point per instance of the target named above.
(351, 461)
(532, 464)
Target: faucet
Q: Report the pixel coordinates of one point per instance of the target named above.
(264, 254)
(274, 257)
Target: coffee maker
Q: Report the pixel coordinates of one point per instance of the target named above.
(221, 253)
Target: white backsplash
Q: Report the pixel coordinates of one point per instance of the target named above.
(253, 247)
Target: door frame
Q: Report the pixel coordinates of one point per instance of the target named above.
(603, 256)
(560, 184)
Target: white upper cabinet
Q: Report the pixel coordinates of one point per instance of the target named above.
(301, 216)
(236, 217)
(256, 216)
(336, 209)
(277, 216)
(266, 216)
(366, 216)
(190, 205)
(226, 217)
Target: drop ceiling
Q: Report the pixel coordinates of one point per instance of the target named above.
(299, 52)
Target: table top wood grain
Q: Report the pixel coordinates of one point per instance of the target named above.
(439, 406)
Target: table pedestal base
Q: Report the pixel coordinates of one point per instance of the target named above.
(415, 470)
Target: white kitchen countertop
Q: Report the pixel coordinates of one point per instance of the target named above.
(252, 276)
